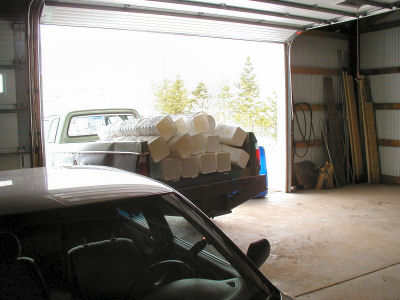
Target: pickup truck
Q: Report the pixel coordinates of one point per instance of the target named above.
(71, 140)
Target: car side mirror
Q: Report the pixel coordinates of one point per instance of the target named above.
(258, 252)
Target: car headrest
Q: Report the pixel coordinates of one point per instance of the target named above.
(10, 247)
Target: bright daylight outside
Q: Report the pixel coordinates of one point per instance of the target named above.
(237, 82)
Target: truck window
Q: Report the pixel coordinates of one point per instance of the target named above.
(90, 124)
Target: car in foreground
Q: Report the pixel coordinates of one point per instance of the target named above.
(86, 232)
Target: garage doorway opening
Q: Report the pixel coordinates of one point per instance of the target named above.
(238, 82)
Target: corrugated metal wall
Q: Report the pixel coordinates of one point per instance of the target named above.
(381, 49)
(323, 53)
(14, 98)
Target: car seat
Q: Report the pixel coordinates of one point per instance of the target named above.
(109, 269)
(20, 277)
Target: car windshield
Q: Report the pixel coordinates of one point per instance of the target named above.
(141, 248)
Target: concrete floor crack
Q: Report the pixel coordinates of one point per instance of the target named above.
(349, 279)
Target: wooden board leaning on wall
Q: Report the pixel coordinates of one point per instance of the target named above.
(353, 126)
(370, 140)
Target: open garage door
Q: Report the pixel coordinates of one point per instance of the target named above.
(260, 21)
(155, 17)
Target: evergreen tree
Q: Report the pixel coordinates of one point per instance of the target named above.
(223, 104)
(201, 99)
(171, 98)
(273, 115)
(248, 110)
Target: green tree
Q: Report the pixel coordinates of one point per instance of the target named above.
(201, 98)
(171, 97)
(224, 99)
(248, 110)
(273, 114)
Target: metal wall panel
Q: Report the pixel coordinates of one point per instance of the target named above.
(380, 49)
(385, 88)
(319, 122)
(316, 52)
(309, 88)
(320, 52)
(390, 162)
(315, 154)
(387, 124)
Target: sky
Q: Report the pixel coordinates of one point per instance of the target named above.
(86, 67)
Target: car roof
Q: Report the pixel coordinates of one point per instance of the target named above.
(36, 189)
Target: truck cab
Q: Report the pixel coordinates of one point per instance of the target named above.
(81, 126)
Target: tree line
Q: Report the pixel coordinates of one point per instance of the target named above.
(240, 104)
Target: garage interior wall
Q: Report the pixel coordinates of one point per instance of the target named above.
(380, 60)
(14, 99)
(314, 57)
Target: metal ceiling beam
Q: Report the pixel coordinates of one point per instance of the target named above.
(308, 7)
(224, 6)
(176, 13)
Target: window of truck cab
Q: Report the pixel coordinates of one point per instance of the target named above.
(88, 125)
(51, 125)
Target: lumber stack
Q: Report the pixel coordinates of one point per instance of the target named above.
(353, 125)
(369, 128)
(182, 145)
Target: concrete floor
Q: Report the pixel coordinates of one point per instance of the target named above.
(329, 244)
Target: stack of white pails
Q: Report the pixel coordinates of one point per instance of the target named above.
(184, 146)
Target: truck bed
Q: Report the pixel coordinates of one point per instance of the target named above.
(215, 193)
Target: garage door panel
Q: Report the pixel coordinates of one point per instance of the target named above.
(9, 162)
(6, 43)
(7, 93)
(8, 131)
(162, 24)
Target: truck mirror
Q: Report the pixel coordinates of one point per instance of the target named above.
(258, 251)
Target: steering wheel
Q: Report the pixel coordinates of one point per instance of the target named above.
(160, 273)
(166, 271)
